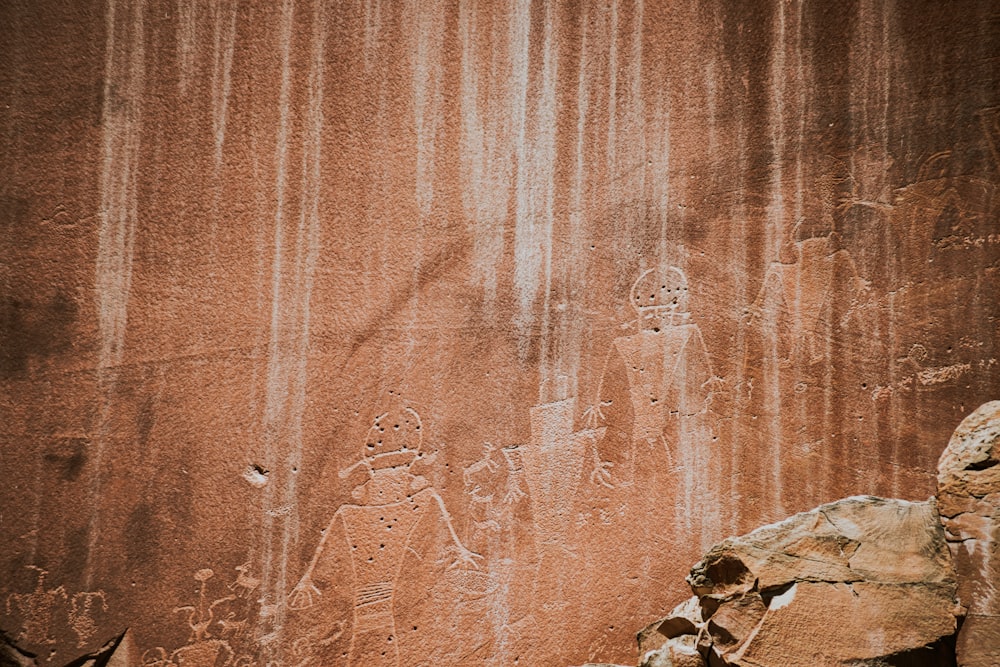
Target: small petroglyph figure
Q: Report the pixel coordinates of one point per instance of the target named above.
(989, 120)
(37, 609)
(378, 530)
(668, 372)
(553, 463)
(245, 584)
(81, 620)
(210, 643)
(496, 493)
(795, 302)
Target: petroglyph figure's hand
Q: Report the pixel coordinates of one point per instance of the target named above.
(462, 557)
(592, 416)
(601, 474)
(301, 596)
(514, 492)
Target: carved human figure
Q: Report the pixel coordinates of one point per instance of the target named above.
(378, 531)
(499, 526)
(554, 461)
(804, 329)
(666, 371)
(37, 609)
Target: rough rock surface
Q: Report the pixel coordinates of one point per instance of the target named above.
(862, 581)
(679, 651)
(238, 238)
(969, 502)
(684, 619)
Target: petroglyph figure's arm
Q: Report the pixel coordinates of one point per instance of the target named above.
(301, 596)
(601, 474)
(593, 417)
(463, 556)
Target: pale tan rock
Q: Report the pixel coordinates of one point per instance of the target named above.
(969, 498)
(684, 619)
(863, 581)
(855, 539)
(681, 651)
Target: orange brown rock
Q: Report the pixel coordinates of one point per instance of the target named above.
(645, 273)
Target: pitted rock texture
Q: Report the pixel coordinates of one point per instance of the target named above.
(384, 333)
(862, 581)
(969, 502)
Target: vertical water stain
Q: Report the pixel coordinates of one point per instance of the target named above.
(296, 252)
(224, 13)
(121, 126)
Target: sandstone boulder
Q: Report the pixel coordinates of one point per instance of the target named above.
(969, 502)
(684, 619)
(679, 651)
(862, 581)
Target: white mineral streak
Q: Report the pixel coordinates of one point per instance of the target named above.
(427, 82)
(527, 262)
(572, 256)
(373, 30)
(121, 126)
(485, 151)
(187, 42)
(775, 232)
(224, 14)
(296, 251)
(542, 207)
(869, 95)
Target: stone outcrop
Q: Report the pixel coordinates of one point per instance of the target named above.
(862, 581)
(969, 502)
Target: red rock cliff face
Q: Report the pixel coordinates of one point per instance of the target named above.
(377, 333)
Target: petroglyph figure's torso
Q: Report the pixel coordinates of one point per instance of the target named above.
(378, 537)
(667, 371)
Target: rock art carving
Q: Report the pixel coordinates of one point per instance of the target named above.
(669, 378)
(378, 531)
(81, 618)
(214, 639)
(990, 121)
(554, 465)
(496, 490)
(797, 293)
(809, 306)
(943, 211)
(500, 529)
(37, 609)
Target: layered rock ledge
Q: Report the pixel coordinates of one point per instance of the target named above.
(861, 582)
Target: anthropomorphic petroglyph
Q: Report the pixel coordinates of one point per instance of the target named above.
(798, 291)
(218, 628)
(497, 493)
(806, 324)
(378, 531)
(81, 610)
(37, 609)
(942, 217)
(499, 527)
(668, 375)
(554, 463)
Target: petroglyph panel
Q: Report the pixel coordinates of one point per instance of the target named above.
(407, 334)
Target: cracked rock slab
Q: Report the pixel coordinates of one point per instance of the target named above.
(969, 502)
(863, 581)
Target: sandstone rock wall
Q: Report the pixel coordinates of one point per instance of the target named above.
(378, 333)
